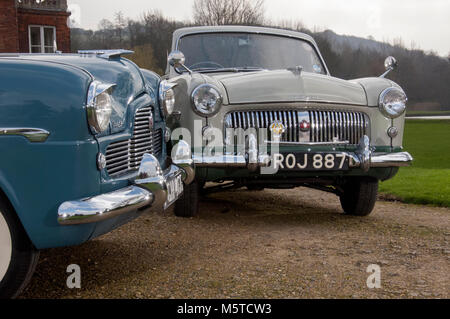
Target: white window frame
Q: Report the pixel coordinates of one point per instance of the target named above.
(41, 29)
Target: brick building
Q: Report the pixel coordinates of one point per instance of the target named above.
(37, 26)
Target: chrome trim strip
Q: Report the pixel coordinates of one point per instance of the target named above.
(379, 160)
(376, 160)
(34, 135)
(391, 159)
(309, 143)
(220, 161)
(105, 206)
(106, 54)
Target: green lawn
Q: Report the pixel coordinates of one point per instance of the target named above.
(427, 181)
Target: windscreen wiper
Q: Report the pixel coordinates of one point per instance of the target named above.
(234, 69)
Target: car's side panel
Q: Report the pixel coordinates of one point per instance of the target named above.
(37, 177)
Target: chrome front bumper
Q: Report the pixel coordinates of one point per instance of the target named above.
(148, 190)
(363, 158)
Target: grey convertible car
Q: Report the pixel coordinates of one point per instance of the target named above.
(262, 110)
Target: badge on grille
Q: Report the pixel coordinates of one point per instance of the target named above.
(305, 126)
(277, 128)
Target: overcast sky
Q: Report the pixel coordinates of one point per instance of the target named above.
(426, 23)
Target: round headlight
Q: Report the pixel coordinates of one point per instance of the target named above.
(99, 106)
(103, 109)
(169, 101)
(99, 112)
(393, 102)
(206, 100)
(167, 97)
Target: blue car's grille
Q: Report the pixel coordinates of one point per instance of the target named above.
(125, 156)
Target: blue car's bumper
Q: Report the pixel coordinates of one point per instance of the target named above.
(154, 188)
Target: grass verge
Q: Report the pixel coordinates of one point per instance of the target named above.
(427, 181)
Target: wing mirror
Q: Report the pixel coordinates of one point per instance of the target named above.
(176, 59)
(390, 64)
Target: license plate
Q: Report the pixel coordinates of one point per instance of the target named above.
(312, 161)
(174, 190)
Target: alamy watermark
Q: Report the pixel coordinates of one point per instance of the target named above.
(374, 280)
(74, 279)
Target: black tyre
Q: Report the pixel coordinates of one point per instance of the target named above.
(18, 256)
(187, 205)
(360, 195)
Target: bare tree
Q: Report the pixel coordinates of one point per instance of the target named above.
(143, 56)
(295, 25)
(105, 34)
(120, 24)
(219, 12)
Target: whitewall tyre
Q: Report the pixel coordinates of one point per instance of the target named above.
(5, 247)
(18, 256)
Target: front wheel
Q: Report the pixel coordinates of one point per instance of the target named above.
(18, 257)
(187, 205)
(359, 196)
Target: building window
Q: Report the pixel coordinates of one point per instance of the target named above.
(42, 39)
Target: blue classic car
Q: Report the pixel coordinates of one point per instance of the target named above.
(83, 151)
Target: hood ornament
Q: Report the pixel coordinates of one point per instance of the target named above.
(297, 70)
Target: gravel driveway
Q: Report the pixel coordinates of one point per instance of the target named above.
(274, 243)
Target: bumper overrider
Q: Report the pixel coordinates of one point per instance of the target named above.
(363, 158)
(148, 190)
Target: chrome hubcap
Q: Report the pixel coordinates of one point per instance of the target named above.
(5, 247)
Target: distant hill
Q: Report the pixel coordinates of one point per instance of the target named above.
(338, 42)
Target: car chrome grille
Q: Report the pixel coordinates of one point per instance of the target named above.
(325, 126)
(126, 156)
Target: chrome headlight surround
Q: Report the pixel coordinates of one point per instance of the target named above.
(392, 103)
(206, 100)
(167, 97)
(99, 106)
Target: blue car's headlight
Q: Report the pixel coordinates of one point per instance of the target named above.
(99, 106)
(167, 97)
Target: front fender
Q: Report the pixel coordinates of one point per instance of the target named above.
(38, 177)
(373, 88)
(44, 95)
